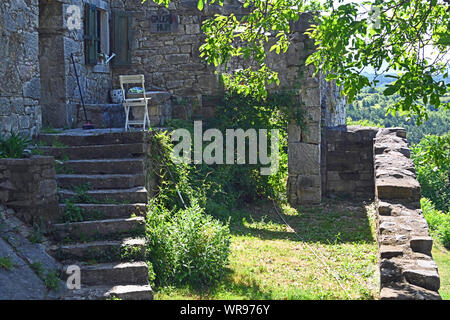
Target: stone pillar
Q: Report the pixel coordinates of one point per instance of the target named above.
(304, 180)
(52, 62)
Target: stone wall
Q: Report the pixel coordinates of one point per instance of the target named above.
(170, 61)
(347, 169)
(29, 187)
(57, 42)
(407, 269)
(20, 110)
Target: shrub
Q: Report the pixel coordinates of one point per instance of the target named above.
(186, 246)
(432, 160)
(438, 221)
(14, 146)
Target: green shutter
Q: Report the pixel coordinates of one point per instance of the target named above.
(122, 37)
(91, 37)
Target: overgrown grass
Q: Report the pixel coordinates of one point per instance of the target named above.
(438, 221)
(442, 258)
(269, 261)
(6, 263)
(14, 146)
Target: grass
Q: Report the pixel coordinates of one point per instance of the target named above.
(269, 261)
(442, 258)
(6, 263)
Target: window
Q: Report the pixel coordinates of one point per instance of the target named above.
(96, 35)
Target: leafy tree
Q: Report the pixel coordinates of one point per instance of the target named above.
(385, 35)
(432, 160)
(394, 35)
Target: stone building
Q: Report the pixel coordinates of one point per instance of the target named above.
(38, 86)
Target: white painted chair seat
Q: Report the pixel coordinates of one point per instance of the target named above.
(128, 103)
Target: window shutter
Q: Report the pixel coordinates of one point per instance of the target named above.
(91, 34)
(122, 37)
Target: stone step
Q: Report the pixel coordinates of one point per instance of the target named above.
(126, 273)
(108, 211)
(126, 292)
(79, 137)
(114, 196)
(113, 151)
(101, 229)
(105, 166)
(130, 249)
(100, 181)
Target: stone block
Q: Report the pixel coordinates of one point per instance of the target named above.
(387, 252)
(304, 158)
(422, 244)
(406, 291)
(294, 133)
(311, 97)
(308, 195)
(428, 279)
(312, 133)
(174, 59)
(392, 188)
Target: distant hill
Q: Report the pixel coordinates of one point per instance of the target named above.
(370, 107)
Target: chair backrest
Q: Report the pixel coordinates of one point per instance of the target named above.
(132, 79)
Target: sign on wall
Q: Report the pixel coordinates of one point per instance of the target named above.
(163, 22)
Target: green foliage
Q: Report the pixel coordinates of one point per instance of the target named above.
(51, 280)
(348, 42)
(438, 221)
(189, 193)
(372, 106)
(186, 246)
(72, 213)
(14, 146)
(432, 160)
(6, 263)
(36, 235)
(393, 36)
(363, 123)
(38, 268)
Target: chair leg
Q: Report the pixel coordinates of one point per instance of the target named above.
(126, 118)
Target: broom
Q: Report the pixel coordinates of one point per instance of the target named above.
(88, 125)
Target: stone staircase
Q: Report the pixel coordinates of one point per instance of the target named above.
(102, 194)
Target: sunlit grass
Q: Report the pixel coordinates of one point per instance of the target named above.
(442, 258)
(270, 261)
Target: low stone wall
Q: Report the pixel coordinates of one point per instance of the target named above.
(347, 170)
(407, 269)
(29, 187)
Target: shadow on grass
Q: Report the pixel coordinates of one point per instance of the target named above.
(332, 222)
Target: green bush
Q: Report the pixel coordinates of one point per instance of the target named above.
(186, 246)
(432, 161)
(14, 146)
(438, 221)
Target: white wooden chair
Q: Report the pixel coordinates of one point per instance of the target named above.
(128, 103)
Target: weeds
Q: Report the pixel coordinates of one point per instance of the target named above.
(14, 146)
(6, 263)
(36, 235)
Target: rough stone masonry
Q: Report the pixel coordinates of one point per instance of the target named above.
(407, 269)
